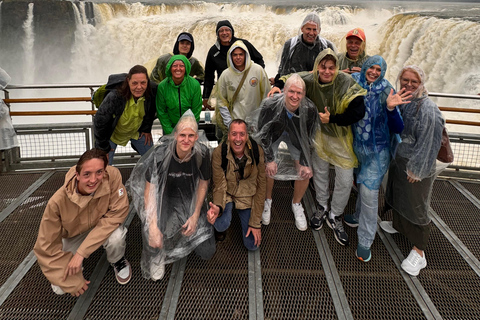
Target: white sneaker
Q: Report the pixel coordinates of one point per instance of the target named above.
(414, 263)
(267, 212)
(57, 290)
(387, 226)
(300, 220)
(157, 268)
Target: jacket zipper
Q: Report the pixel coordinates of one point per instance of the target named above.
(179, 102)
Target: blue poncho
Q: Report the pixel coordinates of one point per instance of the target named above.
(371, 142)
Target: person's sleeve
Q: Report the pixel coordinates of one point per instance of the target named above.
(266, 137)
(103, 122)
(162, 112)
(158, 71)
(354, 112)
(112, 219)
(150, 110)
(331, 45)
(394, 120)
(283, 60)
(265, 85)
(51, 258)
(206, 166)
(259, 197)
(311, 128)
(219, 180)
(197, 102)
(209, 75)
(222, 102)
(198, 72)
(426, 146)
(254, 54)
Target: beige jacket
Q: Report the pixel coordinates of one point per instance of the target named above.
(246, 193)
(69, 214)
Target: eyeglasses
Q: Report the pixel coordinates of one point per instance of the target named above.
(410, 81)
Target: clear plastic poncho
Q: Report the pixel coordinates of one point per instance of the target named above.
(422, 134)
(273, 122)
(371, 135)
(333, 143)
(164, 190)
(8, 136)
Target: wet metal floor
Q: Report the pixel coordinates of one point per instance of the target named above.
(294, 275)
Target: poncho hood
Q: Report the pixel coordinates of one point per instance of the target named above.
(319, 58)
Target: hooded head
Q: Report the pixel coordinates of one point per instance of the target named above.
(186, 134)
(310, 28)
(231, 63)
(368, 74)
(325, 69)
(355, 43)
(181, 57)
(222, 37)
(187, 37)
(412, 78)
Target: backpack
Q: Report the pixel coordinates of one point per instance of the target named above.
(254, 150)
(114, 82)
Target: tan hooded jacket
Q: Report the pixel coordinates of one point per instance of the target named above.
(248, 192)
(69, 214)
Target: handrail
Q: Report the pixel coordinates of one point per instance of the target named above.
(30, 100)
(8, 101)
(53, 113)
(459, 109)
(52, 86)
(463, 122)
(454, 95)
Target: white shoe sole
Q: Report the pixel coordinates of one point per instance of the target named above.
(265, 222)
(301, 228)
(416, 272)
(387, 226)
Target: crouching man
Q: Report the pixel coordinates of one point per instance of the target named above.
(85, 213)
(238, 181)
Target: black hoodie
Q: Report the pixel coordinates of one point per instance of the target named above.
(217, 58)
(192, 47)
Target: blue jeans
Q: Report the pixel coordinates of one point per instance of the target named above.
(223, 222)
(138, 145)
(366, 214)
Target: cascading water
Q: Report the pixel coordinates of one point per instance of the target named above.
(81, 51)
(84, 42)
(27, 44)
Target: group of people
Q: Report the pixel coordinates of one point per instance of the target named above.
(335, 110)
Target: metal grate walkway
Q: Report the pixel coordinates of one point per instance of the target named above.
(294, 275)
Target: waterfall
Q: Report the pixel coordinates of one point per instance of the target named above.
(27, 45)
(82, 52)
(447, 49)
(111, 37)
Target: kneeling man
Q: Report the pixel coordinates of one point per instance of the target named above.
(238, 181)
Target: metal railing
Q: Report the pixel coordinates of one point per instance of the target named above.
(80, 135)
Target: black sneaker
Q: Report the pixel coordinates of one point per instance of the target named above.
(336, 225)
(220, 236)
(318, 218)
(123, 271)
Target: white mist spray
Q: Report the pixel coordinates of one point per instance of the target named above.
(27, 44)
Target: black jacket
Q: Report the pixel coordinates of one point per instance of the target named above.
(111, 110)
(217, 59)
